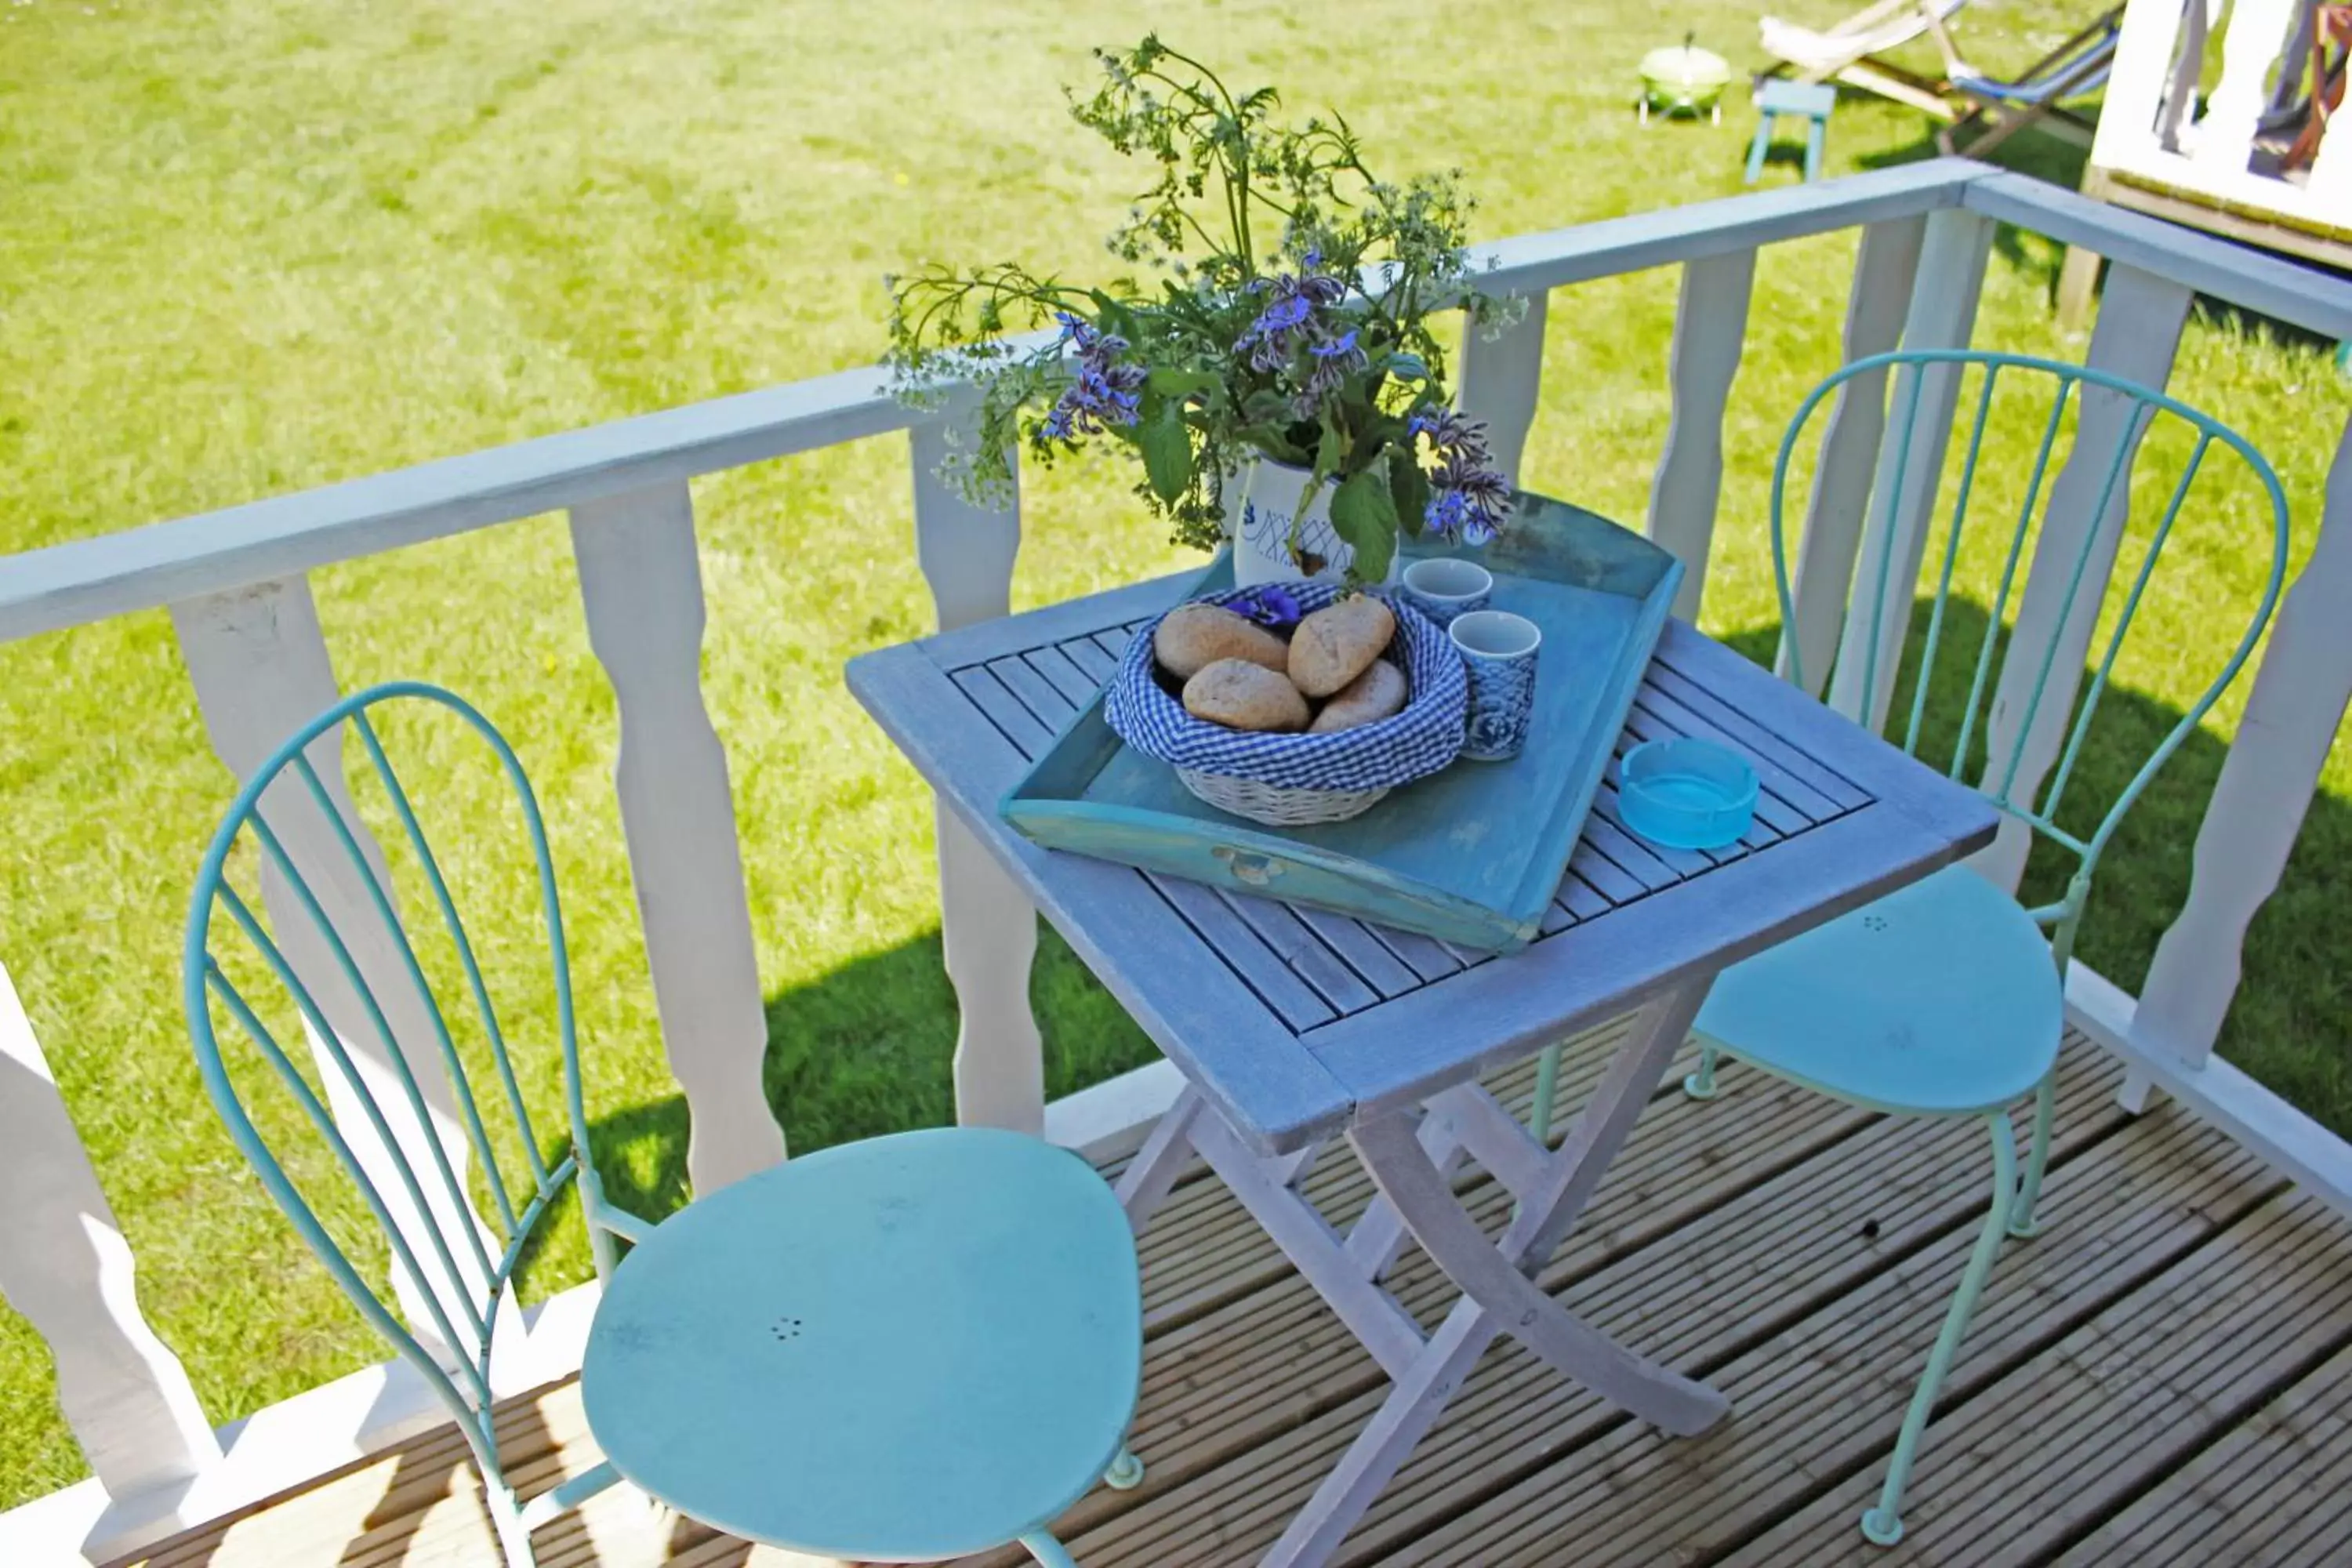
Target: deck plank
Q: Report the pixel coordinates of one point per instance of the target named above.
(2164, 1377)
(2275, 1490)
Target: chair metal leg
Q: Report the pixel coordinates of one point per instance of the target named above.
(1756, 148)
(1126, 1472)
(1883, 1525)
(2021, 1222)
(1047, 1551)
(1700, 1085)
(1547, 1090)
(506, 1519)
(1816, 132)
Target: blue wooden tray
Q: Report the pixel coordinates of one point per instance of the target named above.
(1471, 855)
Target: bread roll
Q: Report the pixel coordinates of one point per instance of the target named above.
(1191, 638)
(1244, 696)
(1338, 643)
(1379, 693)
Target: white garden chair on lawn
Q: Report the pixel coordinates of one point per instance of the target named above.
(1850, 51)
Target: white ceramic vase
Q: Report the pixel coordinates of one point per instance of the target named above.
(1274, 498)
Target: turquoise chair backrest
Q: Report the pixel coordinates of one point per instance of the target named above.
(464, 1273)
(2062, 386)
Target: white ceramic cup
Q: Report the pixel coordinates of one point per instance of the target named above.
(1443, 587)
(1498, 650)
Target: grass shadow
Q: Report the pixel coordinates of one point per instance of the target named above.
(2044, 157)
(866, 1049)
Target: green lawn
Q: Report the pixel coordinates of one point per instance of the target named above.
(249, 248)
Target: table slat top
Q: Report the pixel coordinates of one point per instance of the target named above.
(1296, 1021)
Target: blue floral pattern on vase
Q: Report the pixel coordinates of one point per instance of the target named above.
(1502, 702)
(1266, 530)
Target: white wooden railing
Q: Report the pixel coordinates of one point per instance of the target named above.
(2151, 132)
(235, 582)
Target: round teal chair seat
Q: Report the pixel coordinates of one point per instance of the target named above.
(1940, 999)
(902, 1350)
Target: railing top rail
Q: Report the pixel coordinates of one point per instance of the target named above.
(2254, 280)
(1612, 246)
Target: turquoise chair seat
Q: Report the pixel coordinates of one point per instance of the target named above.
(903, 1350)
(1940, 999)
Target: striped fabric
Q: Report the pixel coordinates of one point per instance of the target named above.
(1413, 744)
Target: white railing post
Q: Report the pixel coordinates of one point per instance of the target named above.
(1941, 315)
(1501, 375)
(2225, 136)
(2139, 332)
(64, 1264)
(1821, 578)
(641, 587)
(1710, 326)
(2292, 717)
(988, 928)
(258, 662)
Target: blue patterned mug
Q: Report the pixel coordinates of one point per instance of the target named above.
(1498, 649)
(1444, 586)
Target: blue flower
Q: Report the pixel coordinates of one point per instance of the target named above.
(1341, 347)
(1334, 358)
(1103, 390)
(1274, 339)
(1471, 499)
(1269, 605)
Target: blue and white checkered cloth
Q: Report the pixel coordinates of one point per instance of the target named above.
(1412, 744)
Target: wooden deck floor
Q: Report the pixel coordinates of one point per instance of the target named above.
(2164, 1377)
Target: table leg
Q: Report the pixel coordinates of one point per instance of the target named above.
(1497, 1297)
(1144, 1185)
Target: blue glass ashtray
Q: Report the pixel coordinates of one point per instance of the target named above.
(1687, 794)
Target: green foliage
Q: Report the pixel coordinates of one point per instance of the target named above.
(1289, 319)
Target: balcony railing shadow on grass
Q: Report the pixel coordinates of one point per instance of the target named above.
(864, 1050)
(867, 1050)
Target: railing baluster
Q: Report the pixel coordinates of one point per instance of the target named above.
(988, 928)
(1501, 376)
(2292, 716)
(641, 586)
(1941, 315)
(1710, 326)
(2225, 136)
(1883, 272)
(2139, 332)
(64, 1264)
(258, 662)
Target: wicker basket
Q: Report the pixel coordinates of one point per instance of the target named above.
(1291, 781)
(1279, 806)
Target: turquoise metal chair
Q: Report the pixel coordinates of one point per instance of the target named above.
(1944, 998)
(900, 1350)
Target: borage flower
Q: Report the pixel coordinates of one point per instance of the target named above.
(1269, 605)
(1470, 499)
(1103, 390)
(1334, 359)
(1273, 339)
(1470, 504)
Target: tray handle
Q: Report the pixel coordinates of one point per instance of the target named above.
(1250, 867)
